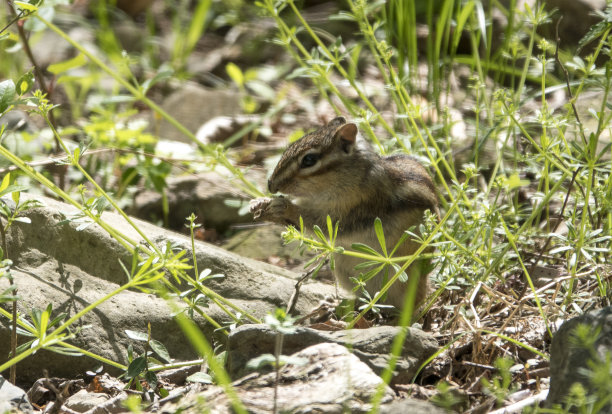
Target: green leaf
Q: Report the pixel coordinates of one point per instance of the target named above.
(5, 183)
(235, 74)
(137, 336)
(16, 195)
(151, 378)
(57, 319)
(261, 361)
(403, 277)
(160, 76)
(319, 233)
(198, 24)
(200, 377)
(370, 274)
(61, 67)
(23, 347)
(364, 248)
(25, 83)
(366, 265)
(136, 367)
(7, 93)
(43, 321)
(401, 241)
(269, 359)
(514, 181)
(597, 30)
(24, 5)
(482, 21)
(380, 235)
(343, 15)
(160, 350)
(12, 189)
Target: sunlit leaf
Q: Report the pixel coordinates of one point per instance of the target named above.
(137, 336)
(235, 73)
(25, 83)
(200, 377)
(61, 67)
(378, 228)
(7, 93)
(24, 5)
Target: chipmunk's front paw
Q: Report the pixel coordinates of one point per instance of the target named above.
(259, 206)
(270, 209)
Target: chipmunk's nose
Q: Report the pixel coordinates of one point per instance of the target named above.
(271, 187)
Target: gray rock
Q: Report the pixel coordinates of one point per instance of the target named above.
(13, 398)
(193, 105)
(568, 360)
(54, 263)
(330, 380)
(372, 346)
(262, 242)
(83, 401)
(411, 406)
(205, 195)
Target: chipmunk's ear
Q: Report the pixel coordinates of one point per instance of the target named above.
(336, 122)
(346, 135)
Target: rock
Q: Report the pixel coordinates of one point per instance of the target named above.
(206, 195)
(411, 406)
(55, 263)
(262, 242)
(83, 401)
(133, 7)
(193, 105)
(578, 17)
(567, 360)
(331, 380)
(372, 346)
(43, 389)
(220, 128)
(12, 398)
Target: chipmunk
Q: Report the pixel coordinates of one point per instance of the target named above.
(328, 172)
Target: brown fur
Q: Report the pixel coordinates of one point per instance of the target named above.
(354, 186)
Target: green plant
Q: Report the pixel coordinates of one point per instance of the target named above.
(489, 233)
(447, 398)
(138, 367)
(500, 386)
(282, 324)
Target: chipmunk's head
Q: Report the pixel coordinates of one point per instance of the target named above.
(314, 158)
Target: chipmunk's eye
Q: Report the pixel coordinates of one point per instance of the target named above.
(309, 160)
